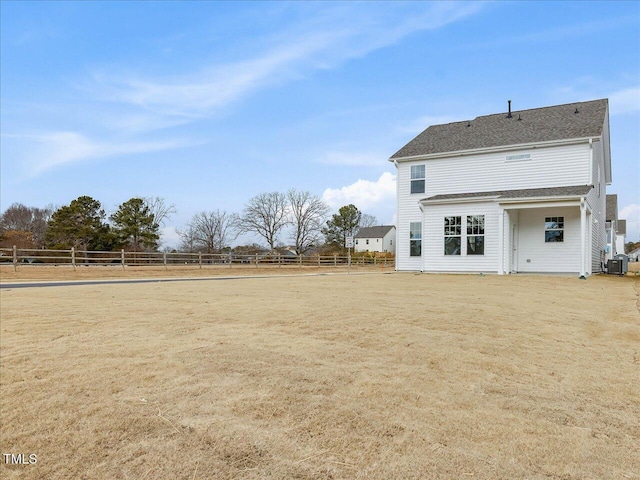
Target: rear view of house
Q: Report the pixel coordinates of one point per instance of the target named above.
(519, 191)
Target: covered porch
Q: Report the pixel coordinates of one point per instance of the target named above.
(545, 231)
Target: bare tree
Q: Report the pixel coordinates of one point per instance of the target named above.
(367, 220)
(187, 240)
(308, 213)
(161, 211)
(32, 220)
(266, 215)
(210, 231)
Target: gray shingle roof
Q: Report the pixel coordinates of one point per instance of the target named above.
(577, 191)
(559, 122)
(612, 207)
(622, 227)
(374, 232)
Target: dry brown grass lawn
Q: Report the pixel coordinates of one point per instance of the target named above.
(393, 376)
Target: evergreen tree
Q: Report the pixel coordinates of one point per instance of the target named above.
(342, 225)
(135, 225)
(79, 224)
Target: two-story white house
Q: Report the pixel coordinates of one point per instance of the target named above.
(376, 239)
(520, 191)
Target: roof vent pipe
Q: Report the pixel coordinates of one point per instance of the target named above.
(509, 115)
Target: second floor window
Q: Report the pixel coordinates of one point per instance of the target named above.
(417, 178)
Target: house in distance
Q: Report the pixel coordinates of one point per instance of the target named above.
(376, 239)
(519, 191)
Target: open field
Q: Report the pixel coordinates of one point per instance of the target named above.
(96, 272)
(379, 376)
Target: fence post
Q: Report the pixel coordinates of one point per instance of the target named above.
(318, 260)
(164, 259)
(73, 258)
(335, 259)
(122, 258)
(15, 259)
(229, 259)
(200, 259)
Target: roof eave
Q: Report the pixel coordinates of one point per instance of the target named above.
(498, 199)
(502, 148)
(560, 198)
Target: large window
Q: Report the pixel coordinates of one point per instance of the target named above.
(417, 178)
(415, 239)
(452, 235)
(475, 235)
(554, 229)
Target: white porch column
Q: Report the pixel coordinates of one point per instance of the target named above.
(583, 242)
(506, 253)
(589, 242)
(501, 241)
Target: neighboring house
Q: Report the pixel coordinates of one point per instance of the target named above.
(634, 254)
(621, 235)
(611, 227)
(376, 239)
(520, 191)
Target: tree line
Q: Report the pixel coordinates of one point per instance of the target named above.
(136, 223)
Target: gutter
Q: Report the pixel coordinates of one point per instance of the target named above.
(504, 148)
(498, 199)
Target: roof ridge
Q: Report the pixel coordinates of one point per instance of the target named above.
(541, 108)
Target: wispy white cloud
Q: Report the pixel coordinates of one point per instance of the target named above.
(51, 150)
(626, 100)
(558, 34)
(339, 34)
(631, 213)
(367, 195)
(622, 100)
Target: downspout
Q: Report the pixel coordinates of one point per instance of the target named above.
(590, 162)
(422, 238)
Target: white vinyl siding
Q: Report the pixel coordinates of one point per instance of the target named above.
(408, 211)
(548, 167)
(536, 255)
(598, 210)
(435, 259)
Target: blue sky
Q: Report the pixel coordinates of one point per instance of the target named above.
(207, 104)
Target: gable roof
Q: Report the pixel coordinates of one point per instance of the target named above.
(622, 227)
(374, 232)
(573, 191)
(536, 125)
(612, 207)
